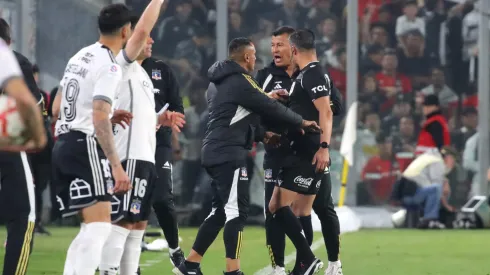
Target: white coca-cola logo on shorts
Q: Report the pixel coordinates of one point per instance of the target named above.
(303, 181)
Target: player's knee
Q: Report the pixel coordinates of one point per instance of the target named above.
(140, 225)
(300, 210)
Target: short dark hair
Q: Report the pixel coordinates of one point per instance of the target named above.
(237, 44)
(113, 17)
(5, 31)
(303, 39)
(410, 3)
(283, 30)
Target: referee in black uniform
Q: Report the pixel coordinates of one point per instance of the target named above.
(166, 90)
(276, 78)
(17, 202)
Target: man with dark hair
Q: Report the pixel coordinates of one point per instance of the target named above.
(304, 171)
(166, 90)
(17, 188)
(235, 103)
(434, 133)
(17, 198)
(277, 79)
(87, 169)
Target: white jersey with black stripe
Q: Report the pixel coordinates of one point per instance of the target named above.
(92, 73)
(9, 68)
(135, 95)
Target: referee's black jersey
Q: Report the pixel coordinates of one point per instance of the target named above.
(273, 78)
(166, 90)
(236, 103)
(310, 84)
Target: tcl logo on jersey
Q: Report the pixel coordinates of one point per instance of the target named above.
(303, 182)
(320, 88)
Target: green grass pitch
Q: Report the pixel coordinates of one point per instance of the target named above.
(368, 252)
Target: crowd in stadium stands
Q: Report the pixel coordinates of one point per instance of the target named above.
(408, 50)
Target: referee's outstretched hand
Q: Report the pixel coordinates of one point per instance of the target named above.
(310, 127)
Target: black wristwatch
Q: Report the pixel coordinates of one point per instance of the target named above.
(324, 145)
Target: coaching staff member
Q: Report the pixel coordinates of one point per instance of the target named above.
(235, 103)
(17, 202)
(275, 78)
(435, 132)
(166, 90)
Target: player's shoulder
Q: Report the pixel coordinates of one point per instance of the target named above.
(314, 69)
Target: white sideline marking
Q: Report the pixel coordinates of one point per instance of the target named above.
(289, 258)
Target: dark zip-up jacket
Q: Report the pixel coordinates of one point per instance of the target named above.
(166, 90)
(236, 103)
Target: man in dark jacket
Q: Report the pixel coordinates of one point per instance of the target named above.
(236, 103)
(276, 78)
(166, 90)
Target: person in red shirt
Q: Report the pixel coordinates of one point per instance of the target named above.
(390, 81)
(435, 132)
(381, 172)
(338, 75)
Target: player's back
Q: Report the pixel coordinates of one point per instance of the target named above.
(78, 84)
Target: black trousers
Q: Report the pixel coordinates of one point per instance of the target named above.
(17, 210)
(163, 197)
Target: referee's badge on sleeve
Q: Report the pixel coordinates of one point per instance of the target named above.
(156, 74)
(244, 172)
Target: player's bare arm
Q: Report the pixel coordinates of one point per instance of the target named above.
(142, 30)
(105, 137)
(322, 156)
(30, 112)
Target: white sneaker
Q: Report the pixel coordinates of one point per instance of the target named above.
(334, 268)
(278, 270)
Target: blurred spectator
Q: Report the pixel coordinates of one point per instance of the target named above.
(471, 164)
(290, 14)
(435, 15)
(236, 27)
(456, 178)
(409, 21)
(327, 30)
(175, 29)
(438, 87)
(370, 94)
(401, 109)
(422, 183)
(339, 74)
(470, 122)
(375, 34)
(435, 132)
(372, 60)
(191, 139)
(365, 145)
(193, 56)
(404, 143)
(390, 81)
(413, 60)
(380, 172)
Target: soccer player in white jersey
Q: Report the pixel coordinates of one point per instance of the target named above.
(17, 206)
(85, 153)
(136, 146)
